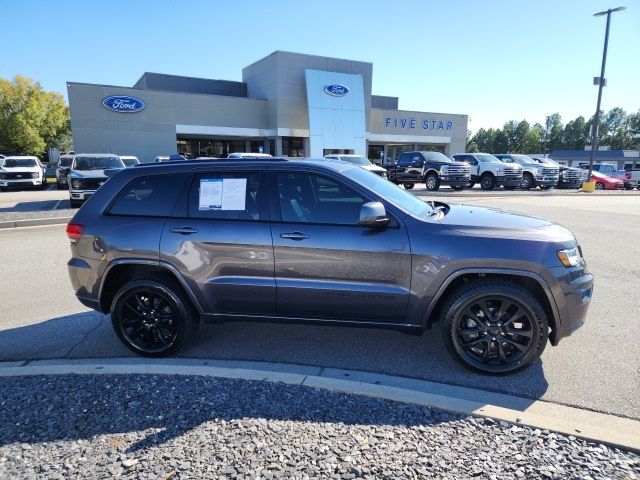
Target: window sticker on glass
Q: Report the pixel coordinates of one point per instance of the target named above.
(210, 194)
(222, 194)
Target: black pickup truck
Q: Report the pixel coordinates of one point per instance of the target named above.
(431, 168)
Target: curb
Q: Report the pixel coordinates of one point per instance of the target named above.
(603, 428)
(33, 222)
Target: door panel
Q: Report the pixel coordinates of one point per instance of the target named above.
(225, 255)
(336, 270)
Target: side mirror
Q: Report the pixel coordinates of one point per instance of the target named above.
(373, 214)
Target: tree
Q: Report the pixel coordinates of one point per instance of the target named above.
(634, 129)
(483, 140)
(533, 139)
(575, 134)
(617, 123)
(32, 120)
(553, 132)
(471, 144)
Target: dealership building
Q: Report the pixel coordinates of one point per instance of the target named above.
(288, 104)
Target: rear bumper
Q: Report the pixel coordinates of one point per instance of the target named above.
(84, 282)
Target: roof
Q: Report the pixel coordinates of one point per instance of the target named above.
(600, 154)
(337, 165)
(19, 157)
(95, 155)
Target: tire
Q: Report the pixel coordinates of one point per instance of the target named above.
(527, 181)
(458, 188)
(407, 186)
(600, 186)
(134, 309)
(494, 347)
(487, 181)
(432, 181)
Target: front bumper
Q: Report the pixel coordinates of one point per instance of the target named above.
(23, 182)
(455, 180)
(80, 194)
(511, 181)
(573, 296)
(546, 181)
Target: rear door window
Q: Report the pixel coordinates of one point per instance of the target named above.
(150, 196)
(228, 196)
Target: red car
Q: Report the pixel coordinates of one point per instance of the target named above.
(605, 182)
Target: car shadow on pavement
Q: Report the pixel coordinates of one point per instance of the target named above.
(332, 349)
(32, 206)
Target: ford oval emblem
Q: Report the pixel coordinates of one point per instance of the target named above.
(123, 104)
(336, 90)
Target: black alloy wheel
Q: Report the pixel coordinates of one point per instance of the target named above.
(527, 181)
(599, 186)
(152, 318)
(408, 186)
(487, 181)
(496, 328)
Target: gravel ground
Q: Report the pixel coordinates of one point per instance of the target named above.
(198, 427)
(13, 216)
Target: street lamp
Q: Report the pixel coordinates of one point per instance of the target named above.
(601, 82)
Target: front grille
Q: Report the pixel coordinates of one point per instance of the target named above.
(88, 183)
(512, 172)
(458, 170)
(17, 176)
(572, 175)
(549, 172)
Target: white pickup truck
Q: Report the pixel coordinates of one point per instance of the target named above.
(630, 178)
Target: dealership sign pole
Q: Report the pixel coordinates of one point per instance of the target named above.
(601, 82)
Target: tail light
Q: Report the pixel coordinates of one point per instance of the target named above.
(74, 231)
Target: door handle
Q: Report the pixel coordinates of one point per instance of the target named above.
(184, 230)
(294, 236)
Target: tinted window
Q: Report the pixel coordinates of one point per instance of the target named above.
(152, 196)
(20, 162)
(311, 198)
(65, 162)
(226, 196)
(408, 159)
(97, 163)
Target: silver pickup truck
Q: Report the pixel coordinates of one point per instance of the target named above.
(630, 178)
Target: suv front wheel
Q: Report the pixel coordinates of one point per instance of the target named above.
(153, 317)
(432, 182)
(487, 181)
(494, 326)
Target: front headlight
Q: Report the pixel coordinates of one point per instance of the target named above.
(570, 257)
(500, 171)
(444, 169)
(35, 175)
(75, 184)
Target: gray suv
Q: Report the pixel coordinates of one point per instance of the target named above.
(163, 247)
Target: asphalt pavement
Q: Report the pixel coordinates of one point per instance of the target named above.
(597, 368)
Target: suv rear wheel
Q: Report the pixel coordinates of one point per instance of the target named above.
(487, 181)
(153, 317)
(432, 181)
(494, 326)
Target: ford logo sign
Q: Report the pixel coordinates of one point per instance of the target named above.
(336, 90)
(123, 104)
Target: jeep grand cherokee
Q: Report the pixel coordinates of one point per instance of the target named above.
(165, 246)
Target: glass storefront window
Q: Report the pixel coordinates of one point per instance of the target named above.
(292, 147)
(203, 147)
(376, 154)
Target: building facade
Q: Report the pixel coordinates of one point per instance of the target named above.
(288, 104)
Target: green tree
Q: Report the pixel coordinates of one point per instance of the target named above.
(471, 144)
(575, 134)
(634, 129)
(483, 140)
(617, 122)
(553, 132)
(31, 119)
(533, 140)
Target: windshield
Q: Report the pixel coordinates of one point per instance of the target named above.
(523, 159)
(435, 157)
(21, 162)
(390, 192)
(550, 161)
(485, 157)
(96, 163)
(65, 162)
(356, 160)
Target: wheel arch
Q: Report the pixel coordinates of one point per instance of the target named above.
(120, 271)
(527, 279)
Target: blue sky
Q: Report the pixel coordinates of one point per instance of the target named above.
(495, 60)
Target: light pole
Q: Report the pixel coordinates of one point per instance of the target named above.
(601, 82)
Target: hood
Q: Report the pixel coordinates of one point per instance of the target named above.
(512, 166)
(495, 223)
(88, 173)
(373, 168)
